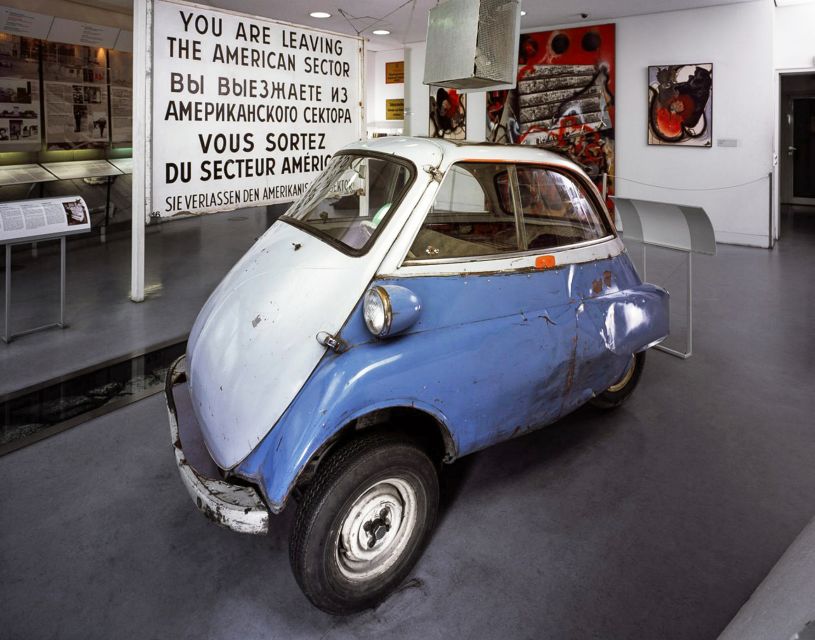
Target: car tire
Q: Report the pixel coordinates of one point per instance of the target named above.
(619, 392)
(363, 522)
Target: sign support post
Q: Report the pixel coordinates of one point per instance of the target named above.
(8, 336)
(142, 139)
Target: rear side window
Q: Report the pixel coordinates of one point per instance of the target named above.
(486, 209)
(555, 210)
(468, 217)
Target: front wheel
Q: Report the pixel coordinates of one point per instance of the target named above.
(363, 522)
(618, 393)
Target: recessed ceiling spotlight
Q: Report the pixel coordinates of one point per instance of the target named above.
(320, 14)
(381, 32)
(523, 13)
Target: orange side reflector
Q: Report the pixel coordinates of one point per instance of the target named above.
(544, 262)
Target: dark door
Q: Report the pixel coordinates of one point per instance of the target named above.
(803, 150)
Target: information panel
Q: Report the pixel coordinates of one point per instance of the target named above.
(78, 169)
(33, 219)
(246, 111)
(25, 23)
(19, 94)
(24, 174)
(76, 96)
(120, 64)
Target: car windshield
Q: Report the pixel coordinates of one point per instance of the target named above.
(351, 199)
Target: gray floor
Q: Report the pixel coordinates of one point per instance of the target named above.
(655, 521)
(185, 260)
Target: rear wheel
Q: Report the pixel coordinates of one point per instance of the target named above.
(618, 393)
(363, 522)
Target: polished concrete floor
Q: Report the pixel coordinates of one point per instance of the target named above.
(185, 260)
(654, 521)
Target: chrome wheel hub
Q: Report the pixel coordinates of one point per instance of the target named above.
(376, 530)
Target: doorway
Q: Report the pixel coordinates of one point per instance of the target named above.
(802, 149)
(797, 157)
(796, 177)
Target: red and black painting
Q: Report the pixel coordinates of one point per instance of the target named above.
(680, 109)
(564, 99)
(448, 114)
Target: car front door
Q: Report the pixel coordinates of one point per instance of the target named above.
(495, 343)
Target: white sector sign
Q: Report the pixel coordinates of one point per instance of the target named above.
(246, 111)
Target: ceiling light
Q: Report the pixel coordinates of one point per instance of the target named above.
(381, 32)
(320, 14)
(523, 13)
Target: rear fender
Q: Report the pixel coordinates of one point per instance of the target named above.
(630, 320)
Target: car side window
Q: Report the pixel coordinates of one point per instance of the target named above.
(556, 211)
(468, 217)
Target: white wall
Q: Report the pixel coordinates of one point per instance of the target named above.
(417, 95)
(738, 40)
(794, 39)
(377, 91)
(794, 51)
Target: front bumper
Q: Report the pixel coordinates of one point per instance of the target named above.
(234, 506)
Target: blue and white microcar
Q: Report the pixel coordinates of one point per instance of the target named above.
(422, 300)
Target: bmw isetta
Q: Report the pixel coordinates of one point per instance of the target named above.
(421, 301)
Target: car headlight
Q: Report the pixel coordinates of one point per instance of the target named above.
(390, 309)
(377, 311)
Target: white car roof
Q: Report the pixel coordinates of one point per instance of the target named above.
(432, 151)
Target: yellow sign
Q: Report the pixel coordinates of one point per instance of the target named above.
(395, 109)
(395, 72)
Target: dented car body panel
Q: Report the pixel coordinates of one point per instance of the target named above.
(500, 345)
(487, 373)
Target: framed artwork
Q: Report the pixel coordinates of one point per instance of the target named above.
(448, 114)
(680, 105)
(564, 99)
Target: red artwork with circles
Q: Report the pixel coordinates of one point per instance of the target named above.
(680, 110)
(564, 99)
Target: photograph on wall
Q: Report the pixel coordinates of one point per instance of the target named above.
(19, 94)
(76, 116)
(76, 100)
(448, 114)
(564, 99)
(680, 105)
(19, 57)
(121, 97)
(73, 63)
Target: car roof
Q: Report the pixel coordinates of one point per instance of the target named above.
(433, 151)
